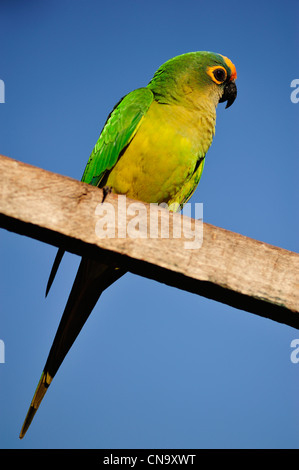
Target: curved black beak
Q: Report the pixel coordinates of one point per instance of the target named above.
(229, 94)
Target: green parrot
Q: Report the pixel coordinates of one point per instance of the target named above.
(152, 148)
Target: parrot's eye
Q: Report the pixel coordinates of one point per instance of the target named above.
(217, 73)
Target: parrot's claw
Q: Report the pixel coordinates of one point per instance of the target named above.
(106, 190)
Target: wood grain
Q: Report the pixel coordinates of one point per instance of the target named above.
(228, 267)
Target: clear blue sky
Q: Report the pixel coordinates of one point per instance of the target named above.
(154, 367)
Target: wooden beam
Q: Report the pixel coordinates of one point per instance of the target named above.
(228, 267)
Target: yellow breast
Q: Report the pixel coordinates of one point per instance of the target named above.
(162, 156)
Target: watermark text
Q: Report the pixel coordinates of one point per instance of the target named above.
(295, 93)
(2, 351)
(295, 353)
(134, 220)
(2, 92)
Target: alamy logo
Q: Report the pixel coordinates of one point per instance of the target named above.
(2, 92)
(2, 353)
(295, 353)
(134, 220)
(295, 93)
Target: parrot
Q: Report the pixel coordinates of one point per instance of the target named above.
(152, 148)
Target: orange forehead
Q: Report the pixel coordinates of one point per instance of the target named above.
(231, 66)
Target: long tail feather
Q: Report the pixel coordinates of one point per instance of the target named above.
(54, 269)
(40, 391)
(91, 280)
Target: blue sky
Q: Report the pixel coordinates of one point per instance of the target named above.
(154, 367)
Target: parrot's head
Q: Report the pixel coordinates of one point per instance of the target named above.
(198, 76)
(223, 74)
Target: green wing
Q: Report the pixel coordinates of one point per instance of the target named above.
(120, 128)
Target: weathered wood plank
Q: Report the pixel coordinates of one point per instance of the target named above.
(228, 267)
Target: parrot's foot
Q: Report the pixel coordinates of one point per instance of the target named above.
(106, 190)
